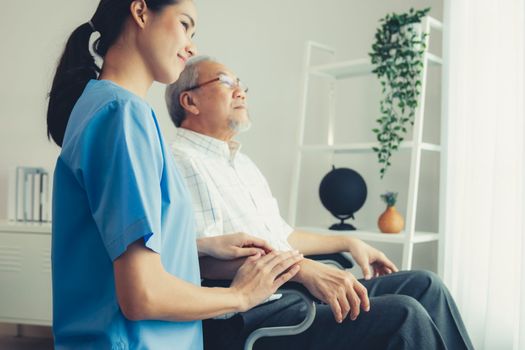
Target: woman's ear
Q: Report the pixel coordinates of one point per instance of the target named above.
(139, 12)
(188, 102)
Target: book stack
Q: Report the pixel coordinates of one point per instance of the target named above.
(29, 195)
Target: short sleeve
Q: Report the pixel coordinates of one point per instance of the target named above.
(121, 168)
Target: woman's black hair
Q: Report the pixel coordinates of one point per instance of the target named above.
(77, 65)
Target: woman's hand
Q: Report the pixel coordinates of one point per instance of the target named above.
(365, 255)
(260, 276)
(232, 246)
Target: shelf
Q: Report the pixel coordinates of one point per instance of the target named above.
(376, 236)
(362, 67)
(25, 227)
(365, 147)
(352, 68)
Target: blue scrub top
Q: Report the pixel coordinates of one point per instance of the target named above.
(114, 183)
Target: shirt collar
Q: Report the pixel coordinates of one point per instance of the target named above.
(207, 144)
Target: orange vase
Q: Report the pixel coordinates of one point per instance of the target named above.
(391, 221)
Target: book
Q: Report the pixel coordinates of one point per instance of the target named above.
(47, 197)
(11, 193)
(41, 197)
(28, 195)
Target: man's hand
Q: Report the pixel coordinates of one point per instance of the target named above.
(366, 256)
(232, 246)
(338, 288)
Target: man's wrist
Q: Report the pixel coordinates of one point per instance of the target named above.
(348, 243)
(301, 276)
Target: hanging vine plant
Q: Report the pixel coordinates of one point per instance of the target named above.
(397, 55)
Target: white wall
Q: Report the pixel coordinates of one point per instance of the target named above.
(263, 41)
(34, 37)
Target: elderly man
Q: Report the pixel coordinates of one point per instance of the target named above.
(386, 309)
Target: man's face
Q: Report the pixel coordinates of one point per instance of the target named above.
(221, 103)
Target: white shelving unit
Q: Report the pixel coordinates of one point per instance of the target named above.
(349, 69)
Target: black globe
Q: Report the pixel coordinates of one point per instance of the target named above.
(343, 192)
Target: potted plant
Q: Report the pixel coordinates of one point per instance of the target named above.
(397, 55)
(390, 221)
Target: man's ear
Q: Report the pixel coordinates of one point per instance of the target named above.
(139, 12)
(188, 102)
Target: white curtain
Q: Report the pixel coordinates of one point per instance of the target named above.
(484, 245)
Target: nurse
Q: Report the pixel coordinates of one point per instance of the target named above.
(125, 262)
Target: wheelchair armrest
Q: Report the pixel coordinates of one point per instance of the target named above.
(291, 288)
(341, 260)
(287, 288)
(297, 288)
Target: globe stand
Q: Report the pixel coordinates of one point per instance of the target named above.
(343, 226)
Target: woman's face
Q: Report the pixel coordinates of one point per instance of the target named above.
(166, 41)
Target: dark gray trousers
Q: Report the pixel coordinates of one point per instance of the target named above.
(408, 310)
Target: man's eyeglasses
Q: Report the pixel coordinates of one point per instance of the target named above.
(223, 79)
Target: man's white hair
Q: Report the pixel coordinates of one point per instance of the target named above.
(188, 79)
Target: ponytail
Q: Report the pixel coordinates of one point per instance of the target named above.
(76, 67)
